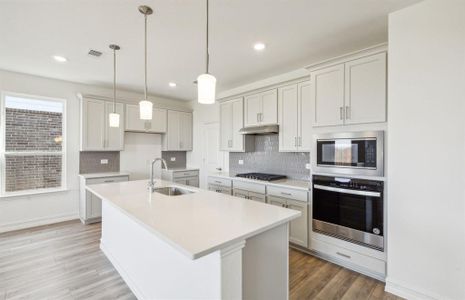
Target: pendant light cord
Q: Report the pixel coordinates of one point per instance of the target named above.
(145, 67)
(114, 80)
(208, 54)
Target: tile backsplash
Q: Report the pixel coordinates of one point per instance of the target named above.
(180, 157)
(90, 161)
(267, 159)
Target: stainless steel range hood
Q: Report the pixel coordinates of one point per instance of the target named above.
(264, 129)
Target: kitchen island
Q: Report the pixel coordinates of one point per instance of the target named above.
(196, 245)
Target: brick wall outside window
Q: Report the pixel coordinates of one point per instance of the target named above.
(29, 130)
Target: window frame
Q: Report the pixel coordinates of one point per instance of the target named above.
(3, 152)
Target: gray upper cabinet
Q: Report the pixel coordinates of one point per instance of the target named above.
(231, 121)
(261, 108)
(178, 135)
(350, 93)
(135, 124)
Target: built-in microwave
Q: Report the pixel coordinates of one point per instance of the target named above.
(350, 153)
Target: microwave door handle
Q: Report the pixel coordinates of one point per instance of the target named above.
(346, 191)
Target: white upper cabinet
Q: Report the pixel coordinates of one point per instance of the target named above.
(365, 90)
(261, 108)
(294, 117)
(231, 121)
(135, 124)
(96, 134)
(178, 135)
(350, 93)
(328, 96)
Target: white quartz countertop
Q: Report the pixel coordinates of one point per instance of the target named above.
(196, 224)
(286, 183)
(102, 175)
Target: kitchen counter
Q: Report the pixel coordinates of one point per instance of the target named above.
(202, 245)
(105, 174)
(181, 169)
(287, 183)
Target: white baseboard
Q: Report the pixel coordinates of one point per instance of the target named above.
(37, 222)
(409, 293)
(130, 283)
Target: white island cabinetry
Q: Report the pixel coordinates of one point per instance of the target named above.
(217, 253)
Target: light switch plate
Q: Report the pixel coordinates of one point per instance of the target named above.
(241, 162)
(173, 159)
(307, 166)
(104, 161)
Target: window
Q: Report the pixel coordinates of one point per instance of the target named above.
(32, 152)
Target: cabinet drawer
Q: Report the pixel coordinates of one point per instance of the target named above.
(249, 186)
(219, 189)
(179, 174)
(364, 261)
(288, 193)
(107, 179)
(220, 181)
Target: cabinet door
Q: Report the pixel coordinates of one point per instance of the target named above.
(158, 123)
(173, 131)
(192, 181)
(92, 125)
(305, 122)
(180, 181)
(226, 125)
(298, 232)
(276, 201)
(133, 121)
(114, 140)
(365, 88)
(288, 121)
(241, 194)
(185, 131)
(252, 110)
(257, 197)
(327, 94)
(237, 124)
(95, 206)
(269, 107)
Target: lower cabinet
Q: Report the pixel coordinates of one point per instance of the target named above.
(219, 189)
(298, 228)
(90, 206)
(186, 177)
(249, 195)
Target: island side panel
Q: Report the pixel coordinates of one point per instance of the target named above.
(152, 268)
(265, 265)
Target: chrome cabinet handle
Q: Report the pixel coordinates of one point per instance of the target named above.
(295, 141)
(217, 181)
(108, 181)
(343, 255)
(287, 194)
(341, 113)
(347, 112)
(258, 117)
(300, 141)
(261, 117)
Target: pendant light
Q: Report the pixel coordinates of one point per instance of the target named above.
(145, 106)
(114, 116)
(206, 83)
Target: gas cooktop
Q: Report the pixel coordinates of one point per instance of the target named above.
(261, 176)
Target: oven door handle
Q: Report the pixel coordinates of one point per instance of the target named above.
(346, 191)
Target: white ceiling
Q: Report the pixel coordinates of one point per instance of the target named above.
(296, 32)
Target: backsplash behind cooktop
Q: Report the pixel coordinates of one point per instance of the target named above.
(267, 159)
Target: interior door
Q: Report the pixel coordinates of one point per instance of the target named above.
(212, 158)
(114, 135)
(288, 121)
(366, 90)
(269, 107)
(328, 96)
(252, 110)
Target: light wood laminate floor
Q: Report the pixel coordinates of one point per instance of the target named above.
(63, 261)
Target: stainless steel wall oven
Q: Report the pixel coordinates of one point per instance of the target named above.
(350, 209)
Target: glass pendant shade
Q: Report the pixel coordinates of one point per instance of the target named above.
(206, 88)
(145, 110)
(114, 119)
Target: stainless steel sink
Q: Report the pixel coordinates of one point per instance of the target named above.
(172, 191)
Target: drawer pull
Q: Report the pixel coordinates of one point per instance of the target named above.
(287, 194)
(343, 255)
(217, 181)
(109, 181)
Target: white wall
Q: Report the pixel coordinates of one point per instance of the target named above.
(426, 125)
(25, 211)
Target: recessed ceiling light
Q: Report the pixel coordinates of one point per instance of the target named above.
(59, 58)
(259, 46)
(172, 84)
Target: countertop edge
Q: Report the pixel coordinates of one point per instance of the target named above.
(268, 183)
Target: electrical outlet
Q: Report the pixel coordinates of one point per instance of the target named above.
(104, 161)
(241, 162)
(307, 166)
(173, 159)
